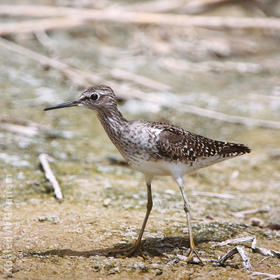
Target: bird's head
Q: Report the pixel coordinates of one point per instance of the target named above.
(95, 98)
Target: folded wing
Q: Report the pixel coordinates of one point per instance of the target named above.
(177, 144)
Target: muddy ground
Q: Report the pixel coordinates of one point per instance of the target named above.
(104, 202)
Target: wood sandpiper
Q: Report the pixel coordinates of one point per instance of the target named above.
(154, 148)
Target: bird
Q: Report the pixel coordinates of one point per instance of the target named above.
(155, 149)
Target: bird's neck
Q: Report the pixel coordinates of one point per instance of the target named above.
(113, 121)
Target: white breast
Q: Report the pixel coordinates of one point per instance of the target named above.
(172, 168)
(161, 167)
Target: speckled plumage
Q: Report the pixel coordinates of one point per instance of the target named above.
(141, 141)
(155, 148)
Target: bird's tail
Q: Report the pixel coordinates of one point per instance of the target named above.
(233, 149)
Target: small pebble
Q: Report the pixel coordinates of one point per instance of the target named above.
(172, 192)
(52, 219)
(209, 217)
(158, 271)
(141, 266)
(106, 202)
(172, 262)
(96, 268)
(234, 174)
(155, 265)
(114, 270)
(182, 258)
(274, 226)
(256, 222)
(274, 222)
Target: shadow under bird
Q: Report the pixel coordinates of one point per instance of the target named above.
(155, 149)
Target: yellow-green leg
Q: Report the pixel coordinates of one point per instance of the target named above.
(192, 251)
(137, 247)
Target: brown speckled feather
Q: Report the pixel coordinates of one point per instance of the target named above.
(178, 144)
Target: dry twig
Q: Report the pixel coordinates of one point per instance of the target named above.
(45, 40)
(264, 251)
(227, 118)
(267, 275)
(28, 131)
(245, 259)
(180, 66)
(84, 78)
(255, 249)
(242, 214)
(196, 7)
(263, 98)
(44, 160)
(215, 195)
(235, 241)
(39, 25)
(75, 75)
(138, 79)
(31, 129)
(157, 6)
(237, 250)
(76, 17)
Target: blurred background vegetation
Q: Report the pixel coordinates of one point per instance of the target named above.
(210, 66)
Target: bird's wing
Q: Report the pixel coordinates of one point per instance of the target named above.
(178, 144)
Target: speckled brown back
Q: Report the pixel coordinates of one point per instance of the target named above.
(176, 143)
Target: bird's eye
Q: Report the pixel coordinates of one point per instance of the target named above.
(94, 96)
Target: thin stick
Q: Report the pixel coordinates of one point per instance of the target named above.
(119, 16)
(245, 259)
(45, 40)
(28, 131)
(236, 250)
(242, 214)
(82, 78)
(28, 26)
(263, 98)
(228, 255)
(229, 118)
(215, 195)
(73, 74)
(155, 6)
(179, 65)
(194, 6)
(270, 276)
(235, 241)
(50, 176)
(31, 129)
(264, 251)
(23, 122)
(138, 79)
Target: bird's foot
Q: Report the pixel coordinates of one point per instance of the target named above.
(128, 252)
(193, 252)
(136, 249)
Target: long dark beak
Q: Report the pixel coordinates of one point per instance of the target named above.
(63, 105)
